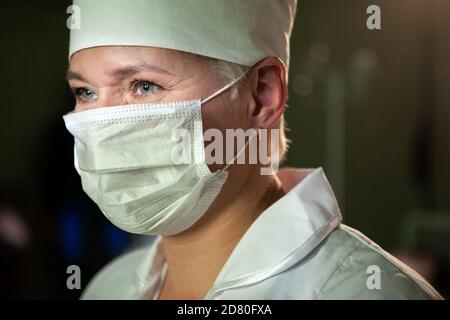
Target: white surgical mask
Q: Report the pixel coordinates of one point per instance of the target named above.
(124, 155)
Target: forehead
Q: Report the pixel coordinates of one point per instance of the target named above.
(111, 57)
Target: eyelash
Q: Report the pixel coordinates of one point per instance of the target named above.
(78, 92)
(136, 82)
(133, 86)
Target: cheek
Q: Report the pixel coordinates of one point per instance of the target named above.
(221, 114)
(224, 113)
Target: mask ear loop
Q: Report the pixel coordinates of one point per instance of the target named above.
(218, 92)
(240, 151)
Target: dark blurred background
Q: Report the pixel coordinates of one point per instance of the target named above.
(370, 106)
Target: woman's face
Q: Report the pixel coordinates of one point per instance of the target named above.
(122, 75)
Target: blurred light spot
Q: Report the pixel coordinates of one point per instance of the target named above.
(70, 234)
(12, 228)
(319, 52)
(303, 85)
(366, 59)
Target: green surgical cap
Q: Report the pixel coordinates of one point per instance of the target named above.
(239, 31)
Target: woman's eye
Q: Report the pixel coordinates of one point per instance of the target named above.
(143, 87)
(85, 94)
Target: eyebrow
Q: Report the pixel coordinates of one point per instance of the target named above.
(122, 73)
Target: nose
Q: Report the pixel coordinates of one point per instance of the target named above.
(111, 96)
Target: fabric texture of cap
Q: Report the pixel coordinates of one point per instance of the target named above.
(239, 31)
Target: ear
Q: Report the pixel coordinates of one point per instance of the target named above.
(269, 90)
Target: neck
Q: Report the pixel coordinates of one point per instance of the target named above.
(196, 256)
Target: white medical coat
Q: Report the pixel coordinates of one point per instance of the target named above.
(296, 249)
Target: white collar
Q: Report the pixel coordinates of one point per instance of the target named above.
(281, 236)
